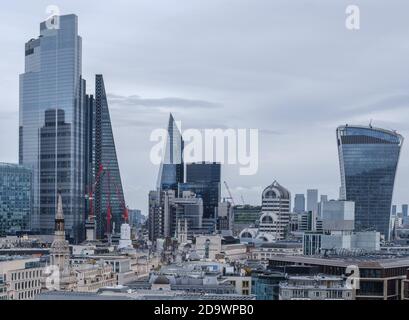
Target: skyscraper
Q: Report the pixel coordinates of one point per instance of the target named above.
(52, 87)
(203, 179)
(368, 162)
(171, 171)
(275, 218)
(312, 200)
(171, 174)
(108, 189)
(404, 210)
(299, 203)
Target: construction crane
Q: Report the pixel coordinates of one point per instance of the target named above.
(242, 200)
(230, 195)
(109, 214)
(91, 194)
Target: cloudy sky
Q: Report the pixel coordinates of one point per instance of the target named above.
(288, 68)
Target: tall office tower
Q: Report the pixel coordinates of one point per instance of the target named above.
(52, 87)
(275, 218)
(109, 194)
(323, 199)
(15, 198)
(171, 171)
(312, 200)
(404, 210)
(299, 203)
(203, 179)
(368, 162)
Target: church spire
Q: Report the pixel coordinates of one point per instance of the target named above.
(59, 218)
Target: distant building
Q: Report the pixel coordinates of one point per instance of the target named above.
(245, 216)
(312, 200)
(299, 203)
(225, 217)
(15, 198)
(318, 287)
(275, 218)
(136, 218)
(171, 171)
(203, 179)
(368, 162)
(405, 210)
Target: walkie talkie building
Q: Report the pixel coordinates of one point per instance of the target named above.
(368, 161)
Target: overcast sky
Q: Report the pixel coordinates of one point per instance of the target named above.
(289, 68)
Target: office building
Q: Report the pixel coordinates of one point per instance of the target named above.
(317, 287)
(244, 217)
(312, 200)
(275, 218)
(171, 171)
(368, 162)
(380, 276)
(15, 198)
(299, 203)
(51, 130)
(404, 210)
(109, 195)
(203, 179)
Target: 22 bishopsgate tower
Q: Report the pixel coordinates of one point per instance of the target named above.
(54, 126)
(368, 161)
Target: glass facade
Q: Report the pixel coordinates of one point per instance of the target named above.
(368, 163)
(108, 190)
(171, 170)
(205, 172)
(203, 179)
(15, 198)
(52, 87)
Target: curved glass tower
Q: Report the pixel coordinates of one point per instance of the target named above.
(368, 161)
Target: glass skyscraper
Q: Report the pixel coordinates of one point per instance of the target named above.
(15, 198)
(108, 190)
(171, 170)
(52, 100)
(368, 161)
(203, 179)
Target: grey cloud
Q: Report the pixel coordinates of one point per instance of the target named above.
(169, 102)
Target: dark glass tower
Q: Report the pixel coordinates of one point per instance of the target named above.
(368, 161)
(203, 179)
(171, 170)
(52, 87)
(108, 189)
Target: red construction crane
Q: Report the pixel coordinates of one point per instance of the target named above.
(91, 193)
(109, 214)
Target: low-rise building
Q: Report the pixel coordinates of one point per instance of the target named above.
(319, 287)
(22, 277)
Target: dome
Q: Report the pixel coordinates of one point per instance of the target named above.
(276, 191)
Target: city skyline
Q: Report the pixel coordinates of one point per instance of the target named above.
(282, 130)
